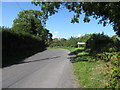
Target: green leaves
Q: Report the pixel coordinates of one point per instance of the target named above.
(75, 19)
(99, 43)
(86, 19)
(113, 71)
(29, 21)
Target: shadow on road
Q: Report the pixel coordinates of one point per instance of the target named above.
(22, 62)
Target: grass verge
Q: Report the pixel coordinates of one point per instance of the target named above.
(89, 72)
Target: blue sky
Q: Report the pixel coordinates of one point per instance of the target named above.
(58, 24)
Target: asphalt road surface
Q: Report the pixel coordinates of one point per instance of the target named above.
(48, 69)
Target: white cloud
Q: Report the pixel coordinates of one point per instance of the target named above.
(79, 35)
(55, 34)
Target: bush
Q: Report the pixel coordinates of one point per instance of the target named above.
(98, 43)
(113, 71)
(116, 44)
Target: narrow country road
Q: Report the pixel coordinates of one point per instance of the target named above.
(48, 69)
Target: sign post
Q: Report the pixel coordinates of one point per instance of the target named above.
(80, 43)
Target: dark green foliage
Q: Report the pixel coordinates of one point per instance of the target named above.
(20, 40)
(99, 43)
(30, 21)
(16, 43)
(116, 43)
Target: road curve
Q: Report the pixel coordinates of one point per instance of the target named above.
(48, 69)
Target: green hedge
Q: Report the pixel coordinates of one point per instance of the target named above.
(16, 43)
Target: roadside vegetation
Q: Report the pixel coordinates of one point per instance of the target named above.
(96, 64)
(25, 38)
(89, 73)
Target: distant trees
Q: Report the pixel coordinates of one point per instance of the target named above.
(71, 42)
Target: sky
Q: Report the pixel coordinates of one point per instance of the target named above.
(58, 24)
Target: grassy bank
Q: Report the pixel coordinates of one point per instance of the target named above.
(88, 72)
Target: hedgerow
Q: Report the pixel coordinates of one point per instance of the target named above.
(112, 71)
(17, 42)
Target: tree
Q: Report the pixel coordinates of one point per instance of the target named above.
(30, 21)
(46, 35)
(105, 12)
(84, 38)
(4, 28)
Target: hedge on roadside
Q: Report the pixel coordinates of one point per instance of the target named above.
(18, 42)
